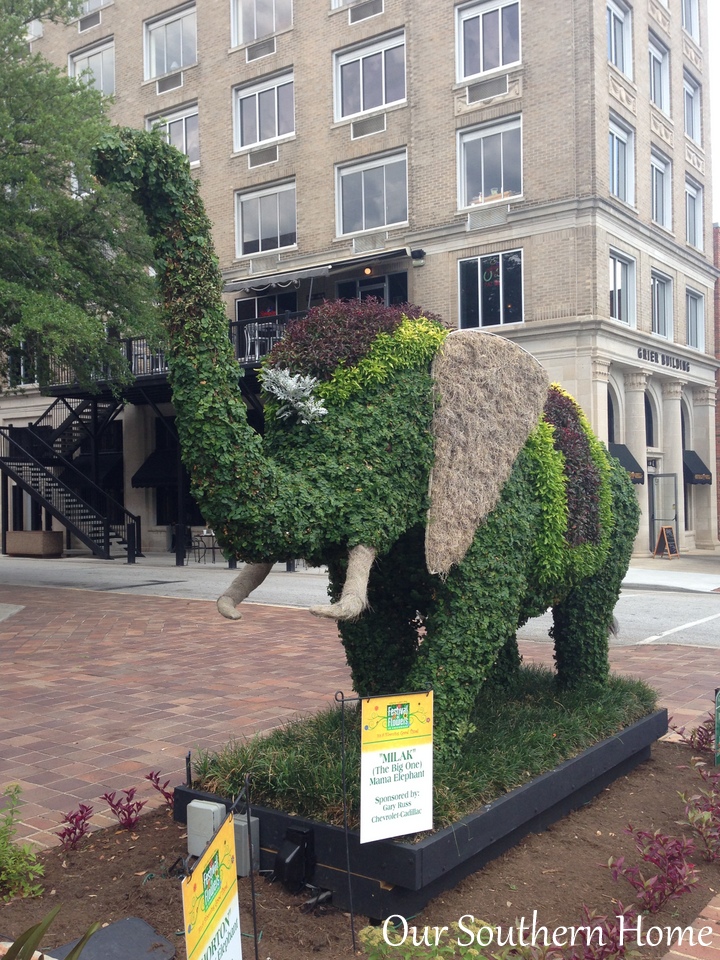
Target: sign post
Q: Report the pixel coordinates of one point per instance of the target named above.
(210, 901)
(396, 769)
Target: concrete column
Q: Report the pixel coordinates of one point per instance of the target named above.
(600, 378)
(635, 441)
(672, 448)
(706, 519)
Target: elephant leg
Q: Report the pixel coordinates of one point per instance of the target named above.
(353, 599)
(251, 576)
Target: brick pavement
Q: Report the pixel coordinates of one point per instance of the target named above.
(97, 689)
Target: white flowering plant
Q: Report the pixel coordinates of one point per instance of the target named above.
(295, 391)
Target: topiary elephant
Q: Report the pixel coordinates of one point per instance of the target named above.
(450, 491)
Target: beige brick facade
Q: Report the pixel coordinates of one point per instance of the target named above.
(564, 95)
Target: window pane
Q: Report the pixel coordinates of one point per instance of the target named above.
(157, 51)
(395, 74)
(619, 41)
(491, 40)
(512, 162)
(250, 226)
(621, 169)
(288, 228)
(108, 68)
(350, 87)
(266, 111)
(269, 230)
(492, 165)
(248, 20)
(473, 171)
(471, 46)
(283, 14)
(173, 42)
(372, 81)
(286, 109)
(511, 34)
(374, 200)
(192, 138)
(265, 22)
(512, 287)
(351, 186)
(189, 45)
(469, 301)
(396, 192)
(176, 134)
(94, 63)
(490, 290)
(248, 121)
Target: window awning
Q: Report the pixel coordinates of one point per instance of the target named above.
(694, 469)
(262, 282)
(628, 461)
(159, 470)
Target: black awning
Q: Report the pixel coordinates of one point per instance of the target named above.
(628, 461)
(694, 469)
(159, 470)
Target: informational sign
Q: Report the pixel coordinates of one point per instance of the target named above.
(666, 543)
(210, 901)
(396, 769)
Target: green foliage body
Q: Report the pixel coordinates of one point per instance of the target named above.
(73, 254)
(19, 867)
(560, 535)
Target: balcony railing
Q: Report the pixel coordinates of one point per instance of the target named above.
(251, 340)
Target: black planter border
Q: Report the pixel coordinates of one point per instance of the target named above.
(392, 877)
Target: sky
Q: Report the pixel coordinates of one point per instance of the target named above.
(714, 47)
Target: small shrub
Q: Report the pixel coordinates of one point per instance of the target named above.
(674, 875)
(126, 808)
(700, 738)
(19, 867)
(702, 814)
(28, 942)
(77, 826)
(168, 795)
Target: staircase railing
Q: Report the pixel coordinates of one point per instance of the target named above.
(94, 527)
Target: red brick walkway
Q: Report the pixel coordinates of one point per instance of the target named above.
(97, 689)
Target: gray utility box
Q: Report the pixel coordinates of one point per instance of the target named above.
(204, 819)
(241, 844)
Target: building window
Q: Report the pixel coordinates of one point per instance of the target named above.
(622, 163)
(695, 309)
(661, 292)
(659, 75)
(691, 94)
(255, 19)
(691, 18)
(491, 290)
(661, 179)
(266, 219)
(97, 66)
(619, 37)
(268, 305)
(181, 130)
(488, 37)
(694, 214)
(170, 43)
(370, 77)
(388, 289)
(372, 194)
(490, 163)
(264, 111)
(87, 6)
(622, 288)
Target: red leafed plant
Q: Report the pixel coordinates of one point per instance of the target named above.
(77, 826)
(673, 873)
(126, 808)
(154, 778)
(702, 814)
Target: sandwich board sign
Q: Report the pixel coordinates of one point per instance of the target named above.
(396, 766)
(210, 901)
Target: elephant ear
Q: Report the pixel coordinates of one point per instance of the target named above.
(489, 396)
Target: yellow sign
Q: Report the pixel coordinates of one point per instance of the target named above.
(210, 901)
(396, 766)
(405, 720)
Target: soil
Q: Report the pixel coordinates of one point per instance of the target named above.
(119, 873)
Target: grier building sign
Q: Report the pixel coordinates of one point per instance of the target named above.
(663, 359)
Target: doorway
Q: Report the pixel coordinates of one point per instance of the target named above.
(662, 490)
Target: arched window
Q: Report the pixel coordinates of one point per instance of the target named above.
(649, 423)
(611, 415)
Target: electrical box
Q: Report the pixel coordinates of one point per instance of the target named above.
(241, 844)
(204, 819)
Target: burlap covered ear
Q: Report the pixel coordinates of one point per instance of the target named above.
(490, 394)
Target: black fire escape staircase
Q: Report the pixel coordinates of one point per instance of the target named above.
(38, 468)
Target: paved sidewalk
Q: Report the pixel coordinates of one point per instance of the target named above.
(97, 689)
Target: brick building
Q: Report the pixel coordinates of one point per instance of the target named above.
(552, 185)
